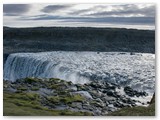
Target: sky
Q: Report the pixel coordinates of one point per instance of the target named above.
(137, 16)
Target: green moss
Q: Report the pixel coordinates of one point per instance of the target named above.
(58, 86)
(73, 98)
(95, 103)
(23, 99)
(34, 88)
(54, 79)
(55, 83)
(71, 113)
(153, 99)
(80, 87)
(66, 99)
(65, 92)
(24, 102)
(28, 111)
(63, 81)
(27, 104)
(22, 88)
(135, 111)
(31, 80)
(54, 86)
(19, 91)
(69, 82)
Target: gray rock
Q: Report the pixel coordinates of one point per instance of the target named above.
(104, 111)
(111, 105)
(87, 107)
(108, 98)
(110, 93)
(74, 88)
(46, 92)
(84, 94)
(97, 112)
(95, 94)
(61, 107)
(76, 105)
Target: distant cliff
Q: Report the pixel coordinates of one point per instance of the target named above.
(77, 39)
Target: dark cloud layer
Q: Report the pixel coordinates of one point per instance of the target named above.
(15, 9)
(121, 20)
(53, 8)
(115, 20)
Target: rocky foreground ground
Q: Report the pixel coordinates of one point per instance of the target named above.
(33, 96)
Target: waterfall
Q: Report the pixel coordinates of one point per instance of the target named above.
(22, 65)
(137, 71)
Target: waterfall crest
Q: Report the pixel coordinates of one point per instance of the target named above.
(80, 67)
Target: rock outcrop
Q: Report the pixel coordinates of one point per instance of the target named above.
(96, 98)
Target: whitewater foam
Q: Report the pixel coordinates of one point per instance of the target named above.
(137, 71)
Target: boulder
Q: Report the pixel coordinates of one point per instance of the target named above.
(84, 94)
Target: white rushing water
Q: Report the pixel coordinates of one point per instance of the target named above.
(137, 71)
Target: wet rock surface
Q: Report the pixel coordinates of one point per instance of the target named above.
(97, 97)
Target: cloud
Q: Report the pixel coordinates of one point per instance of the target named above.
(53, 8)
(84, 14)
(129, 10)
(79, 12)
(115, 20)
(118, 10)
(15, 9)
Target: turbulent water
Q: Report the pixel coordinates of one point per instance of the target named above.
(137, 71)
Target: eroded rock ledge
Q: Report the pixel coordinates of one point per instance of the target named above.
(95, 98)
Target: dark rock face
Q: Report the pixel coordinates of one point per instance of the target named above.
(70, 39)
(130, 92)
(97, 97)
(153, 99)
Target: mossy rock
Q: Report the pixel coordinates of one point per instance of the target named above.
(135, 111)
(95, 103)
(23, 99)
(153, 99)
(54, 86)
(35, 88)
(57, 81)
(66, 99)
(69, 83)
(25, 96)
(27, 104)
(58, 86)
(63, 92)
(22, 88)
(54, 80)
(71, 113)
(80, 87)
(31, 80)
